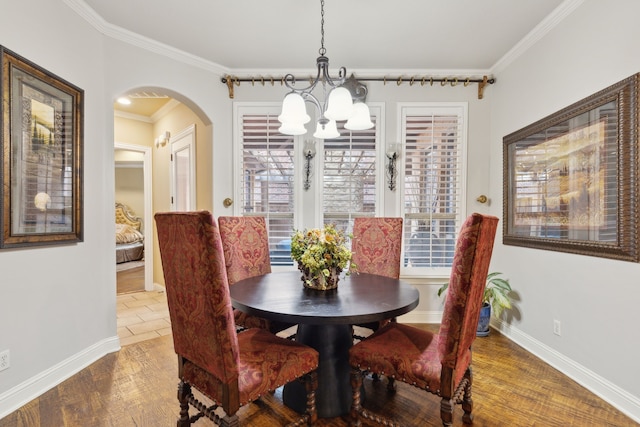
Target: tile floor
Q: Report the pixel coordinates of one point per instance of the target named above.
(145, 315)
(142, 316)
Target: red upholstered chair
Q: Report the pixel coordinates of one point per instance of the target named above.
(232, 369)
(438, 363)
(376, 247)
(245, 242)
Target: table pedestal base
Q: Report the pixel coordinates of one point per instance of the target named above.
(333, 397)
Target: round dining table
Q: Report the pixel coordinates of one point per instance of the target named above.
(325, 322)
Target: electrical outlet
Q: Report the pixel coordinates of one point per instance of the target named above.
(4, 360)
(556, 327)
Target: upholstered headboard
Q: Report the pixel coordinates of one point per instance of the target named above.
(124, 215)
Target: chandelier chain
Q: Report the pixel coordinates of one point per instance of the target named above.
(322, 50)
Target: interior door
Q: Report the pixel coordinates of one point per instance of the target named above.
(183, 170)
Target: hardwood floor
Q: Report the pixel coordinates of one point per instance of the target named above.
(137, 387)
(130, 280)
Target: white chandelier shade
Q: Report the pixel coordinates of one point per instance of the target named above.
(361, 118)
(293, 110)
(290, 128)
(327, 130)
(339, 104)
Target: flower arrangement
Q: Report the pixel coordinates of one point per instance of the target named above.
(321, 254)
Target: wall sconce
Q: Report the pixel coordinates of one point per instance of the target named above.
(392, 171)
(162, 139)
(309, 152)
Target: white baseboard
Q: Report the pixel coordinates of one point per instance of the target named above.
(421, 316)
(622, 400)
(18, 396)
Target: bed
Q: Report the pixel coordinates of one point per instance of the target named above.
(129, 237)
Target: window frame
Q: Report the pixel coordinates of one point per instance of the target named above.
(240, 109)
(405, 109)
(308, 209)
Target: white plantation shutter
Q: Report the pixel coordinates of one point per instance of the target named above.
(266, 177)
(433, 162)
(266, 186)
(349, 184)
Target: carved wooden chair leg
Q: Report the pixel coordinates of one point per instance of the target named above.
(356, 408)
(446, 411)
(311, 385)
(230, 421)
(391, 385)
(184, 391)
(467, 401)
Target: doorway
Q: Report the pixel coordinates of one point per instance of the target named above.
(147, 215)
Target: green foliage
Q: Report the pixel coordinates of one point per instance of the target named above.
(496, 293)
(320, 250)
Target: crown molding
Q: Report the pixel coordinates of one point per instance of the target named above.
(538, 32)
(166, 108)
(131, 116)
(118, 33)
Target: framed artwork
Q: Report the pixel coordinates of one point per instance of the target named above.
(41, 118)
(571, 179)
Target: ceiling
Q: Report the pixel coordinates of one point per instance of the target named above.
(242, 37)
(144, 104)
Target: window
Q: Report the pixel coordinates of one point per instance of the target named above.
(268, 176)
(434, 138)
(266, 185)
(349, 184)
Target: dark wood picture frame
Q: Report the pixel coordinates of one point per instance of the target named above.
(41, 121)
(571, 179)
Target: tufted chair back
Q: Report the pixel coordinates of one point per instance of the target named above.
(467, 280)
(197, 292)
(376, 245)
(245, 241)
(466, 288)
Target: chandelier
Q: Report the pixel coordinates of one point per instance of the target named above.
(338, 105)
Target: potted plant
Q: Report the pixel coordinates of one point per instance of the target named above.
(322, 254)
(496, 298)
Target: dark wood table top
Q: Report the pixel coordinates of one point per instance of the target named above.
(359, 298)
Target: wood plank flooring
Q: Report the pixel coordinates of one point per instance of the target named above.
(137, 387)
(130, 280)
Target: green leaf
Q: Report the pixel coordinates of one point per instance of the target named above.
(443, 289)
(496, 292)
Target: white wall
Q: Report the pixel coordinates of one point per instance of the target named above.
(596, 299)
(57, 303)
